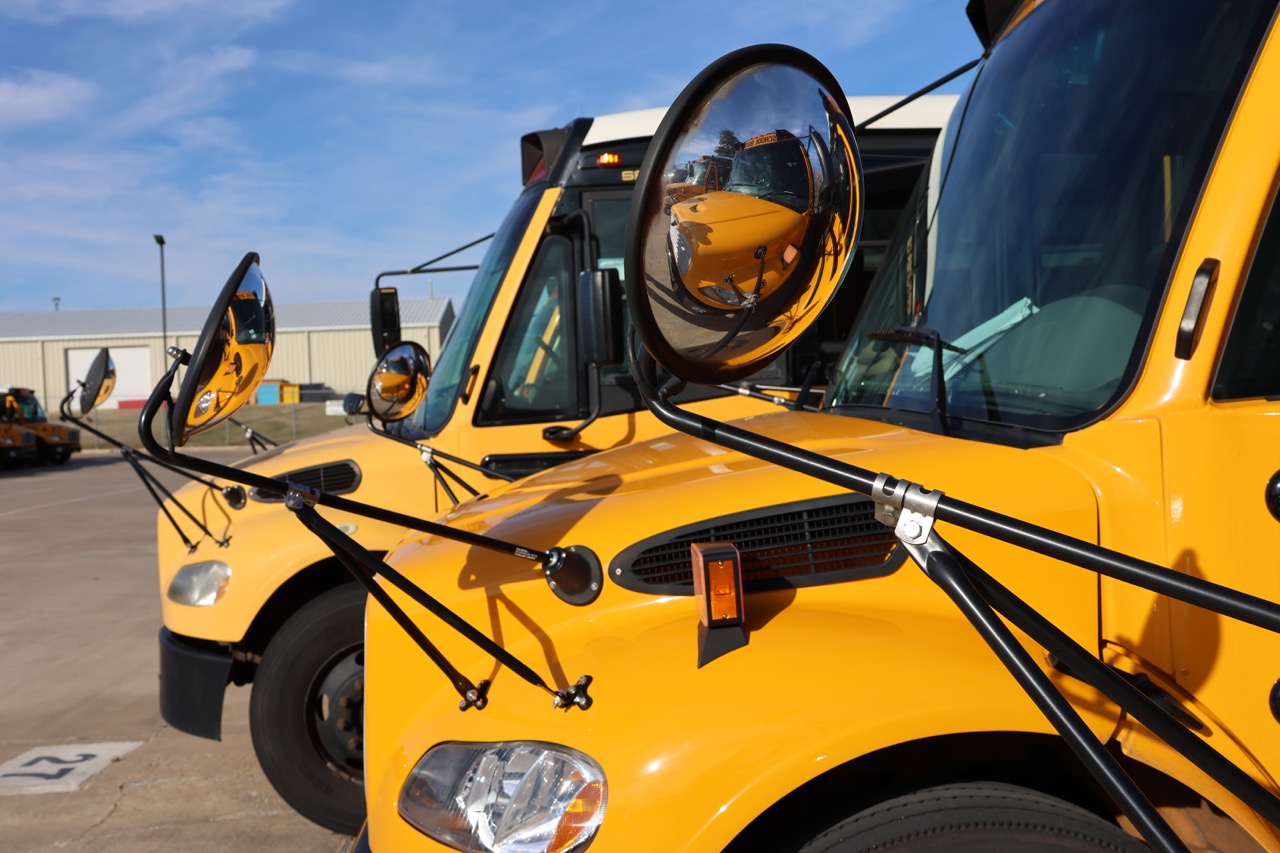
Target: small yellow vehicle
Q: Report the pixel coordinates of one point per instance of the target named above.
(734, 248)
(17, 444)
(704, 174)
(55, 442)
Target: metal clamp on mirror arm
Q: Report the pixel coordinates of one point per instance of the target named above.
(907, 507)
(296, 497)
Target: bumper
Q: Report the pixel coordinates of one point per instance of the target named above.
(193, 680)
(17, 454)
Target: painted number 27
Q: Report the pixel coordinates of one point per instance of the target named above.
(53, 759)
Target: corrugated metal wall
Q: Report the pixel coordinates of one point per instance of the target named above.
(340, 359)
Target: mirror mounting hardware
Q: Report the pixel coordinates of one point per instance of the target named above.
(575, 696)
(296, 497)
(906, 507)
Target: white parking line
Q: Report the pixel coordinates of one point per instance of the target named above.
(68, 501)
(65, 767)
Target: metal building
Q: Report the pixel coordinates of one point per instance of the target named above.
(325, 348)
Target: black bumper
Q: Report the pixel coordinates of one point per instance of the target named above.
(193, 680)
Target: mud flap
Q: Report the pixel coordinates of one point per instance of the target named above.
(193, 681)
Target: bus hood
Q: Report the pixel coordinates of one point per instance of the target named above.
(676, 480)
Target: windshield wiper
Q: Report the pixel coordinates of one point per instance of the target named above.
(920, 336)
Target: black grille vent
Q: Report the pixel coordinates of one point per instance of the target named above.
(335, 478)
(802, 544)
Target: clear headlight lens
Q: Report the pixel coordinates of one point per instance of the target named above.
(200, 584)
(515, 797)
(723, 294)
(203, 403)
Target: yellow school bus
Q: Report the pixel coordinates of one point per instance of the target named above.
(1048, 623)
(515, 390)
(54, 442)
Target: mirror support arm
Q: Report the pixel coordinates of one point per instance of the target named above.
(425, 449)
(365, 567)
(563, 433)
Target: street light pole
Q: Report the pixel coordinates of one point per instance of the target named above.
(164, 312)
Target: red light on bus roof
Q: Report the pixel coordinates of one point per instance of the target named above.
(609, 158)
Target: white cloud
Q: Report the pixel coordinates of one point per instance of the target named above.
(189, 87)
(42, 96)
(57, 11)
(397, 70)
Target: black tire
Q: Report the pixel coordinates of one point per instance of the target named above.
(978, 817)
(306, 711)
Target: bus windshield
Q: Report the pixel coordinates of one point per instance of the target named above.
(1038, 247)
(455, 356)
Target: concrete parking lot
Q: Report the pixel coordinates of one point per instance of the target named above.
(79, 613)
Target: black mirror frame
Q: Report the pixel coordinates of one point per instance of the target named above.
(187, 390)
(649, 187)
(100, 369)
(421, 356)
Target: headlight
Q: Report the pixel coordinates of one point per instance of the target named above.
(723, 294)
(200, 584)
(516, 797)
(203, 403)
(7, 440)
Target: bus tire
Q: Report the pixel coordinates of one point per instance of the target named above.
(306, 710)
(974, 816)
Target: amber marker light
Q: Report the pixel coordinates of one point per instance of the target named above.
(609, 158)
(717, 591)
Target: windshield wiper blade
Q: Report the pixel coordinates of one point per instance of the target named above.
(921, 336)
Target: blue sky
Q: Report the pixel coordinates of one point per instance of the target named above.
(342, 139)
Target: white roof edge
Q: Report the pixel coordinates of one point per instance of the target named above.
(628, 125)
(927, 111)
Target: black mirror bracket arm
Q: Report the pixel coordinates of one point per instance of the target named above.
(364, 566)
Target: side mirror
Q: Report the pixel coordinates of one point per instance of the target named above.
(600, 316)
(99, 382)
(384, 318)
(231, 355)
(398, 383)
(720, 284)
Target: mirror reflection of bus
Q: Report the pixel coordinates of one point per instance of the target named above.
(99, 382)
(706, 174)
(398, 383)
(230, 357)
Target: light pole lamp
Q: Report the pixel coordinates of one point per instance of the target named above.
(164, 313)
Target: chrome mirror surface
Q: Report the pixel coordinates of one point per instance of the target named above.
(398, 383)
(734, 269)
(231, 356)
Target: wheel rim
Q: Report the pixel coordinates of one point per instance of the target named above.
(335, 714)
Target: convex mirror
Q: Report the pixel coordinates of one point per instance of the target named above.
(99, 382)
(730, 277)
(230, 357)
(398, 383)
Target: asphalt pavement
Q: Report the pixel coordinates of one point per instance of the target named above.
(86, 763)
